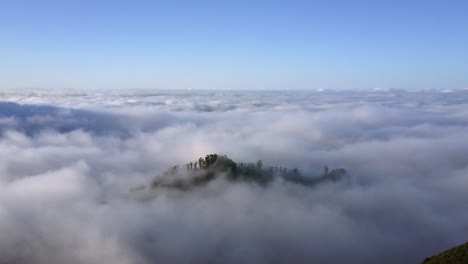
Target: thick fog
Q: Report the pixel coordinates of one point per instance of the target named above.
(69, 160)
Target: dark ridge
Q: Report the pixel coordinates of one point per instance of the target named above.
(204, 170)
(455, 255)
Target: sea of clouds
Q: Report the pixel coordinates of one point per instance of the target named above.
(70, 158)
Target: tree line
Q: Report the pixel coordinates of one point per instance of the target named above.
(205, 169)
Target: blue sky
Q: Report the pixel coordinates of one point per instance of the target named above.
(234, 45)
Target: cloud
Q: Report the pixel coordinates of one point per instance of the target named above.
(69, 160)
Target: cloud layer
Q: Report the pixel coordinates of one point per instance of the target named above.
(70, 158)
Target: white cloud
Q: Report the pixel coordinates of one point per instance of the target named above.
(69, 160)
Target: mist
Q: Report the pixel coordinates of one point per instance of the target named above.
(70, 159)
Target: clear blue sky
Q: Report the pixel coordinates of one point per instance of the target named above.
(234, 44)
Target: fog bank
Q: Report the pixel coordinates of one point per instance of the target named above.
(69, 160)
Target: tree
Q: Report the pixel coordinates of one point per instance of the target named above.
(259, 164)
(295, 172)
(325, 170)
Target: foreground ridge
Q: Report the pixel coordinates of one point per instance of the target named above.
(204, 170)
(455, 255)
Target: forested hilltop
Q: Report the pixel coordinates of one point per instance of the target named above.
(204, 170)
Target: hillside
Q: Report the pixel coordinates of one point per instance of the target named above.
(455, 255)
(213, 166)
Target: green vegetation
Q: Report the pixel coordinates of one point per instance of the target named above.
(456, 255)
(204, 170)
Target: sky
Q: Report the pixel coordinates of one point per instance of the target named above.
(333, 44)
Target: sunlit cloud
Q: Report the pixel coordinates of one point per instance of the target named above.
(69, 161)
